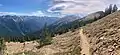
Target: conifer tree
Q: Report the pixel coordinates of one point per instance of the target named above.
(115, 8)
(108, 10)
(2, 46)
(45, 37)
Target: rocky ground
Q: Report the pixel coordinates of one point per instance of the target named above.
(104, 35)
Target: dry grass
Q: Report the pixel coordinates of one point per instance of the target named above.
(17, 47)
(68, 43)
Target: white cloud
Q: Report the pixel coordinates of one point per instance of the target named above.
(81, 6)
(14, 13)
(37, 13)
(7, 13)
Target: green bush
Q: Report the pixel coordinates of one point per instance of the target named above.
(46, 38)
(2, 46)
(44, 42)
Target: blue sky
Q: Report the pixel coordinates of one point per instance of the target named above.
(53, 7)
(24, 5)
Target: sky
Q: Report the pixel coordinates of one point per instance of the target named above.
(25, 7)
(53, 7)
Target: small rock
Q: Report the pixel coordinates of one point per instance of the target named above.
(110, 50)
(23, 53)
(102, 38)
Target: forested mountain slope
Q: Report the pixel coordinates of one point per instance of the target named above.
(21, 25)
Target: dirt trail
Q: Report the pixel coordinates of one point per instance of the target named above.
(84, 44)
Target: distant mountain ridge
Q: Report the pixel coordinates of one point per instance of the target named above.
(76, 22)
(70, 22)
(20, 25)
(66, 19)
(57, 24)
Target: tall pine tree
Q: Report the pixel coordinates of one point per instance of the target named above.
(45, 37)
(108, 10)
(115, 8)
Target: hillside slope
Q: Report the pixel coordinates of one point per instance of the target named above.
(101, 37)
(104, 35)
(68, 43)
(65, 44)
